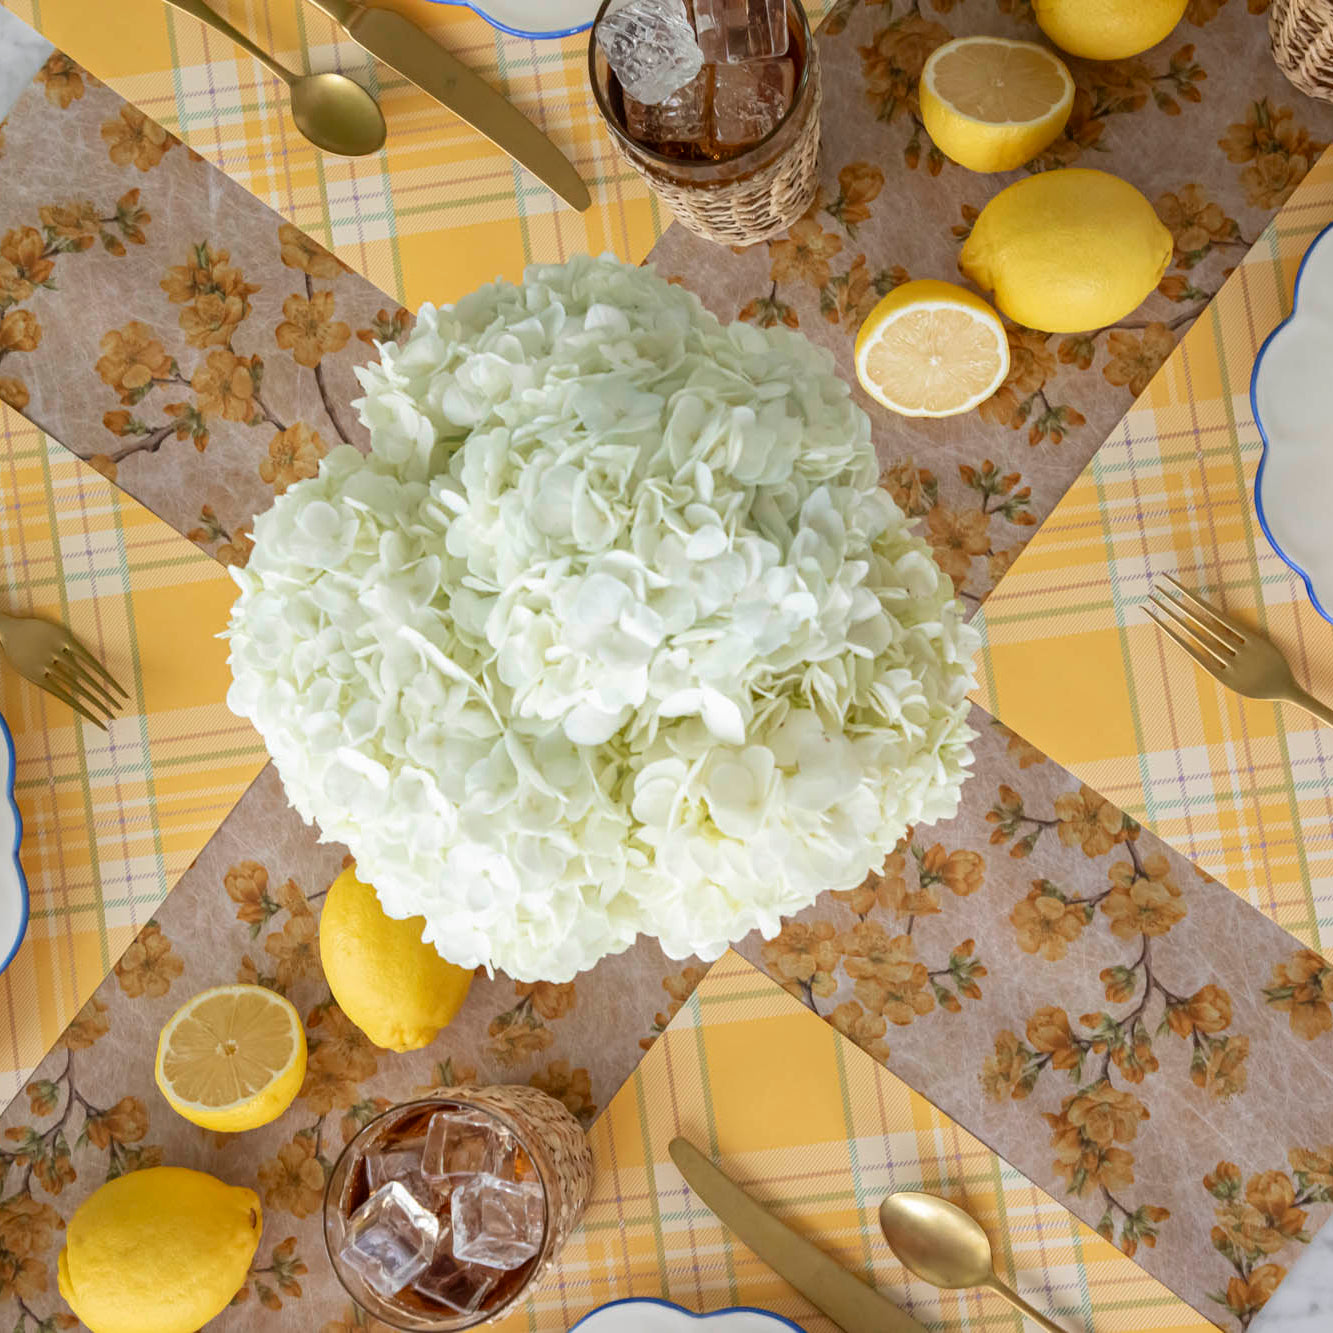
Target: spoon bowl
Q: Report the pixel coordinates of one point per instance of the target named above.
(938, 1241)
(334, 113)
(946, 1247)
(337, 115)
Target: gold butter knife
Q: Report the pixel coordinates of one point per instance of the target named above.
(827, 1285)
(417, 56)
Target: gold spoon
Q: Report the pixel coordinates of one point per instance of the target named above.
(334, 113)
(946, 1247)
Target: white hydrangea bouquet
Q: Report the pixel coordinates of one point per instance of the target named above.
(612, 631)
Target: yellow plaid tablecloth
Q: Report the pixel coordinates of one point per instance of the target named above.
(821, 1132)
(1071, 661)
(110, 821)
(433, 213)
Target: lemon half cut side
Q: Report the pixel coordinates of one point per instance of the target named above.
(232, 1058)
(931, 349)
(991, 104)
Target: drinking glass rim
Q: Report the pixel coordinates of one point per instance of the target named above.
(677, 164)
(415, 1104)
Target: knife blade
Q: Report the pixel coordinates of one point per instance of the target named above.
(826, 1284)
(418, 57)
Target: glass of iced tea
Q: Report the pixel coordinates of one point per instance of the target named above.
(443, 1213)
(734, 150)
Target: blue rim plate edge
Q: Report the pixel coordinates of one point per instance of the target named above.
(689, 1314)
(516, 32)
(8, 794)
(1263, 434)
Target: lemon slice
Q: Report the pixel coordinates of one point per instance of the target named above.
(232, 1058)
(931, 349)
(992, 104)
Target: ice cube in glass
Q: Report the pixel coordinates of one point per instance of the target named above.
(498, 1223)
(750, 99)
(732, 30)
(454, 1284)
(650, 46)
(680, 118)
(390, 1239)
(466, 1142)
(404, 1166)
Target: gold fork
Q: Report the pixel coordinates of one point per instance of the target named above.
(1241, 659)
(50, 656)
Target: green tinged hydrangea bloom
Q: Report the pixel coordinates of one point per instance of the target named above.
(613, 631)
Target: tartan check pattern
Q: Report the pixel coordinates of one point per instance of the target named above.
(435, 211)
(820, 1131)
(1071, 661)
(110, 821)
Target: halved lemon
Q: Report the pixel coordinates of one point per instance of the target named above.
(992, 104)
(931, 349)
(232, 1058)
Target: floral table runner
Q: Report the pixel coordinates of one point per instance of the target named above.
(1072, 991)
(1130, 1035)
(820, 1133)
(439, 207)
(1204, 124)
(218, 341)
(110, 819)
(1073, 662)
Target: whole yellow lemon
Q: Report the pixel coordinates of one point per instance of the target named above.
(1066, 251)
(391, 984)
(158, 1251)
(1107, 29)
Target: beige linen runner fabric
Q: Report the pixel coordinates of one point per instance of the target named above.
(1069, 989)
(110, 819)
(1072, 661)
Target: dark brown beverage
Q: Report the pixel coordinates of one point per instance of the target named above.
(440, 1213)
(448, 1284)
(723, 112)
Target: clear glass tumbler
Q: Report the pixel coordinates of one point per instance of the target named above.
(557, 1150)
(745, 197)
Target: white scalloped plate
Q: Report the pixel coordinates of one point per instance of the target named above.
(1291, 393)
(538, 19)
(13, 884)
(647, 1315)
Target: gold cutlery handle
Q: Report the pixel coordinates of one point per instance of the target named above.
(340, 11)
(853, 1305)
(1019, 1303)
(419, 58)
(1313, 706)
(197, 9)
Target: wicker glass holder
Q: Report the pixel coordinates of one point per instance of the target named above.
(1302, 35)
(739, 200)
(558, 1150)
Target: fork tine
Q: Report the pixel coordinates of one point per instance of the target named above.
(70, 672)
(89, 702)
(1205, 660)
(1197, 631)
(1207, 608)
(72, 664)
(51, 688)
(79, 651)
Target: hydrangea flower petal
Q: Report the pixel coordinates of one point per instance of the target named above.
(612, 631)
